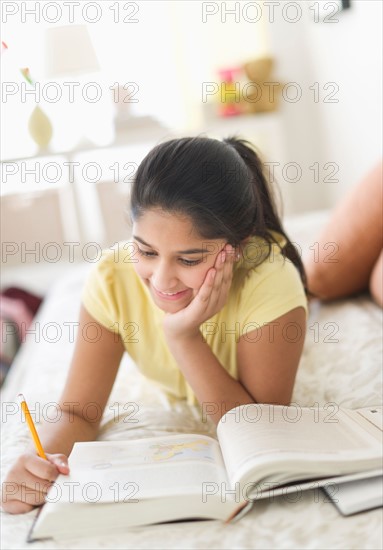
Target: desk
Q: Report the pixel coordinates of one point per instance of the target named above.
(52, 197)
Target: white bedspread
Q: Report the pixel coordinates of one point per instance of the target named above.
(341, 363)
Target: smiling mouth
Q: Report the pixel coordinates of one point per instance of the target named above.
(169, 295)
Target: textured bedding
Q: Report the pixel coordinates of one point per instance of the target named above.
(341, 363)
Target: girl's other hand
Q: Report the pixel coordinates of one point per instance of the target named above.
(29, 480)
(210, 299)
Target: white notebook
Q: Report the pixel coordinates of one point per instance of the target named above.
(362, 494)
(357, 496)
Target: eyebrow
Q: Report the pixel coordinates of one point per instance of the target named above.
(190, 251)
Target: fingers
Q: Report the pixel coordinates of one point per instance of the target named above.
(18, 507)
(25, 493)
(29, 480)
(22, 499)
(60, 461)
(218, 280)
(41, 468)
(22, 489)
(224, 269)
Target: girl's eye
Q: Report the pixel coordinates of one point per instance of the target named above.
(187, 263)
(144, 253)
(190, 262)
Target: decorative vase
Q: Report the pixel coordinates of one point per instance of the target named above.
(40, 127)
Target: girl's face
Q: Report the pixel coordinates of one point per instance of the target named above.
(172, 259)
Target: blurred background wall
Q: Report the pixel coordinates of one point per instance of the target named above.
(347, 53)
(158, 67)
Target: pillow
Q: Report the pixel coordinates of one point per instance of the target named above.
(346, 260)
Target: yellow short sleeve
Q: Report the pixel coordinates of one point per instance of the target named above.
(98, 294)
(271, 290)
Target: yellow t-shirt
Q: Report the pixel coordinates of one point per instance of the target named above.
(117, 298)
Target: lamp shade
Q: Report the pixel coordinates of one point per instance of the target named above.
(69, 51)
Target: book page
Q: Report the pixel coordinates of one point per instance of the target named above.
(255, 434)
(373, 415)
(114, 471)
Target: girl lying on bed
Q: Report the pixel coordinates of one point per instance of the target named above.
(208, 297)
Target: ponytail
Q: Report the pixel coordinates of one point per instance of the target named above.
(266, 217)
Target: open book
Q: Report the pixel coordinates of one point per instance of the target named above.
(262, 450)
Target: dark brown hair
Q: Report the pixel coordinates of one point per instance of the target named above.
(219, 185)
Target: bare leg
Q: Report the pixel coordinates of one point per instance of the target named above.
(356, 229)
(376, 281)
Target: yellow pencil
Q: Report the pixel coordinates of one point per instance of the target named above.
(31, 426)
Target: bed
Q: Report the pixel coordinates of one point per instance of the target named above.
(341, 363)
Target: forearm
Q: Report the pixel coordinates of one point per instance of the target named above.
(216, 391)
(59, 437)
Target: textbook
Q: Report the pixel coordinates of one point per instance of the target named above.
(261, 451)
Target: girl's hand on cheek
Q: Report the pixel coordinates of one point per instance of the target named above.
(210, 299)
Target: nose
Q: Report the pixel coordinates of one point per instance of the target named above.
(164, 277)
